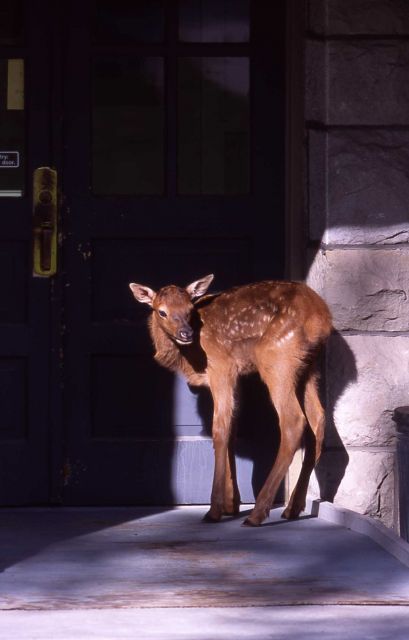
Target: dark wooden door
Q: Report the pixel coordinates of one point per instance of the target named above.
(165, 123)
(29, 383)
(173, 168)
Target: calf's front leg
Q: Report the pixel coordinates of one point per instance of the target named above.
(223, 401)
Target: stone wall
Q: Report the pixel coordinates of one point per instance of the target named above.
(357, 132)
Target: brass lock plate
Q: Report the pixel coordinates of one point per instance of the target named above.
(45, 208)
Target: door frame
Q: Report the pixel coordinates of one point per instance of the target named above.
(295, 161)
(295, 170)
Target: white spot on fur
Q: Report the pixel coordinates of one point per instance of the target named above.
(285, 338)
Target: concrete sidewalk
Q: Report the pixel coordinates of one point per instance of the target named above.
(151, 573)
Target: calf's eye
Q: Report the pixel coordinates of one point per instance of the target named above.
(162, 313)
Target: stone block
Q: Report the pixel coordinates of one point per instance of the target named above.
(366, 289)
(364, 82)
(352, 17)
(317, 16)
(315, 81)
(367, 486)
(366, 194)
(317, 184)
(367, 377)
(368, 82)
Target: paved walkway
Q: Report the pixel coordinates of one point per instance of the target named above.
(152, 574)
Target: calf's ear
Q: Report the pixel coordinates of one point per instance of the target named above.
(199, 287)
(142, 293)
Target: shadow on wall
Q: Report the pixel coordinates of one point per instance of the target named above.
(334, 460)
(358, 190)
(359, 227)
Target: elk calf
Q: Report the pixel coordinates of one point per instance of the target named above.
(275, 328)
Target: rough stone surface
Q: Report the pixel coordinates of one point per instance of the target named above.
(317, 184)
(315, 81)
(367, 485)
(367, 378)
(363, 82)
(366, 198)
(316, 16)
(366, 289)
(368, 82)
(351, 17)
(358, 194)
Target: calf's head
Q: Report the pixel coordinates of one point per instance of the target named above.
(173, 306)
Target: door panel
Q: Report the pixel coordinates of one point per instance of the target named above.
(127, 125)
(179, 175)
(213, 125)
(24, 301)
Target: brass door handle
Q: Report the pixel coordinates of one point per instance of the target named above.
(45, 205)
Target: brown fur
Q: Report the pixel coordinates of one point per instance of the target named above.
(275, 328)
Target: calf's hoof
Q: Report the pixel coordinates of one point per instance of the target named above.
(255, 519)
(249, 522)
(212, 517)
(292, 512)
(257, 516)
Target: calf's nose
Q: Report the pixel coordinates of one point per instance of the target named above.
(185, 334)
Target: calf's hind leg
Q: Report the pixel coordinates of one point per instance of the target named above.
(313, 444)
(280, 381)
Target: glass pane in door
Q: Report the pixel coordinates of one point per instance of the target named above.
(127, 125)
(214, 21)
(213, 125)
(11, 22)
(120, 21)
